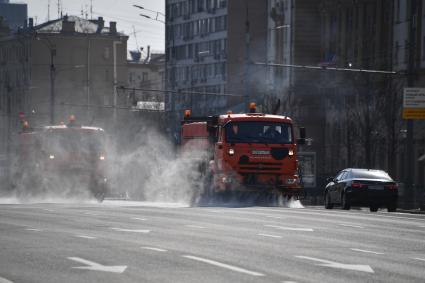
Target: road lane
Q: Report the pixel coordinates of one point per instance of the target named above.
(239, 237)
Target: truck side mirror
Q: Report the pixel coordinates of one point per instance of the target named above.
(301, 140)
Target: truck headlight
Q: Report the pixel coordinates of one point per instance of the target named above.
(51, 156)
(231, 151)
(102, 157)
(291, 181)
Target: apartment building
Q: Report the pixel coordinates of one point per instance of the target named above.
(196, 52)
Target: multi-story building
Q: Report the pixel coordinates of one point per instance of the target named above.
(61, 67)
(210, 48)
(364, 125)
(14, 14)
(146, 79)
(77, 64)
(15, 68)
(196, 50)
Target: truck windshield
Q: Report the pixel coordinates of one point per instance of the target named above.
(75, 141)
(258, 132)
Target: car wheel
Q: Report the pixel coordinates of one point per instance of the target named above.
(373, 208)
(345, 203)
(392, 207)
(328, 202)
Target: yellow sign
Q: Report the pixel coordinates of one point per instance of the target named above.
(414, 113)
(414, 103)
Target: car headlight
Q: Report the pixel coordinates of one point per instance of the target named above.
(231, 151)
(51, 156)
(102, 157)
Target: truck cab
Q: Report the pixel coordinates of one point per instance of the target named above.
(252, 152)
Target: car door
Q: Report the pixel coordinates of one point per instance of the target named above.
(339, 187)
(332, 188)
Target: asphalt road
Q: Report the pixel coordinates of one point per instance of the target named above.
(119, 241)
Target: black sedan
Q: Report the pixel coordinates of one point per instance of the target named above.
(362, 187)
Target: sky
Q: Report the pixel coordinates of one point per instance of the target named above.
(147, 32)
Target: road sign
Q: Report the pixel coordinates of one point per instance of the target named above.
(414, 103)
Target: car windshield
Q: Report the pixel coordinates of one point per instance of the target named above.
(370, 174)
(258, 132)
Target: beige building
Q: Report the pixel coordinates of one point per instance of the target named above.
(77, 64)
(62, 67)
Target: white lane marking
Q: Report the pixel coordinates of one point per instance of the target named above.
(268, 235)
(366, 251)
(137, 218)
(131, 230)
(195, 226)
(333, 264)
(50, 210)
(311, 211)
(418, 258)
(33, 229)
(85, 237)
(154, 249)
(91, 213)
(4, 280)
(289, 282)
(290, 228)
(98, 267)
(351, 225)
(215, 211)
(223, 265)
(273, 216)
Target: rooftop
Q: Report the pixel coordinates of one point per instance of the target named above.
(76, 24)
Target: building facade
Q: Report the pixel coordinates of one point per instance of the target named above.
(196, 50)
(14, 14)
(364, 125)
(61, 67)
(146, 79)
(78, 64)
(211, 46)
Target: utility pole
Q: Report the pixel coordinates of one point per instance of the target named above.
(247, 57)
(411, 73)
(114, 47)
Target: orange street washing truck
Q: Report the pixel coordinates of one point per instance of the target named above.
(252, 152)
(61, 161)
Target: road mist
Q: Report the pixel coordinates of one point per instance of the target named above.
(150, 168)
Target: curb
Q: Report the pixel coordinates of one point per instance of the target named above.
(412, 211)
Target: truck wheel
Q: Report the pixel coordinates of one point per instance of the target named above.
(374, 208)
(328, 203)
(345, 203)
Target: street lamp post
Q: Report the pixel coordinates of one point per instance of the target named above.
(156, 12)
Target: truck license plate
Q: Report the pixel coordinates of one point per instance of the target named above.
(261, 152)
